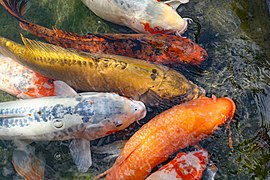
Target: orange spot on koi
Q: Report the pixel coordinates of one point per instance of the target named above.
(110, 132)
(155, 30)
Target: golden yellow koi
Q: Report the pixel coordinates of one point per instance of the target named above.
(153, 84)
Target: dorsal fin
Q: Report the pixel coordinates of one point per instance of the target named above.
(49, 48)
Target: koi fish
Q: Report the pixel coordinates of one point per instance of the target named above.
(81, 117)
(181, 126)
(142, 16)
(159, 48)
(151, 83)
(22, 82)
(184, 166)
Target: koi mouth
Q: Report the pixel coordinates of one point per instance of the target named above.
(187, 21)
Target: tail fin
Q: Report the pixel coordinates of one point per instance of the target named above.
(16, 8)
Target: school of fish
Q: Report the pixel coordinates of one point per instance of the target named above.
(159, 48)
(121, 75)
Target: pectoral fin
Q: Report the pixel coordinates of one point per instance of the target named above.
(27, 164)
(81, 154)
(62, 89)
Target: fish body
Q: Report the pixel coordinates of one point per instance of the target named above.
(183, 125)
(80, 117)
(159, 48)
(184, 166)
(142, 16)
(87, 115)
(22, 82)
(153, 84)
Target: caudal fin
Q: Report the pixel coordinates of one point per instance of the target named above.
(16, 8)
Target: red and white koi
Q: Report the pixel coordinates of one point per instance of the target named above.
(184, 166)
(143, 16)
(22, 82)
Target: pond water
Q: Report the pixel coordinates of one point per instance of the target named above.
(235, 34)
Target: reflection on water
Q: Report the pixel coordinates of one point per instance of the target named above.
(236, 35)
(254, 155)
(263, 102)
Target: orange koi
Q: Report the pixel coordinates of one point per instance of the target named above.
(159, 48)
(181, 126)
(188, 166)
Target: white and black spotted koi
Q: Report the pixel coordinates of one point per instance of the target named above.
(81, 117)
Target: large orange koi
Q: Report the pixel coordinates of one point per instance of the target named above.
(183, 125)
(158, 48)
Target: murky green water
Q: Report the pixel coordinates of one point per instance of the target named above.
(236, 34)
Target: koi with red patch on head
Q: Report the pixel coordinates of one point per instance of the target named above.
(184, 166)
(181, 126)
(143, 16)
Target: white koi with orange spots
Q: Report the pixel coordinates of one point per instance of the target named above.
(143, 16)
(22, 82)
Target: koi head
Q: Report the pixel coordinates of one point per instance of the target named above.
(114, 113)
(192, 164)
(174, 89)
(217, 111)
(133, 111)
(184, 166)
(190, 52)
(164, 19)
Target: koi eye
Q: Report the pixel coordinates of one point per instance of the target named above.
(158, 29)
(50, 81)
(118, 123)
(58, 123)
